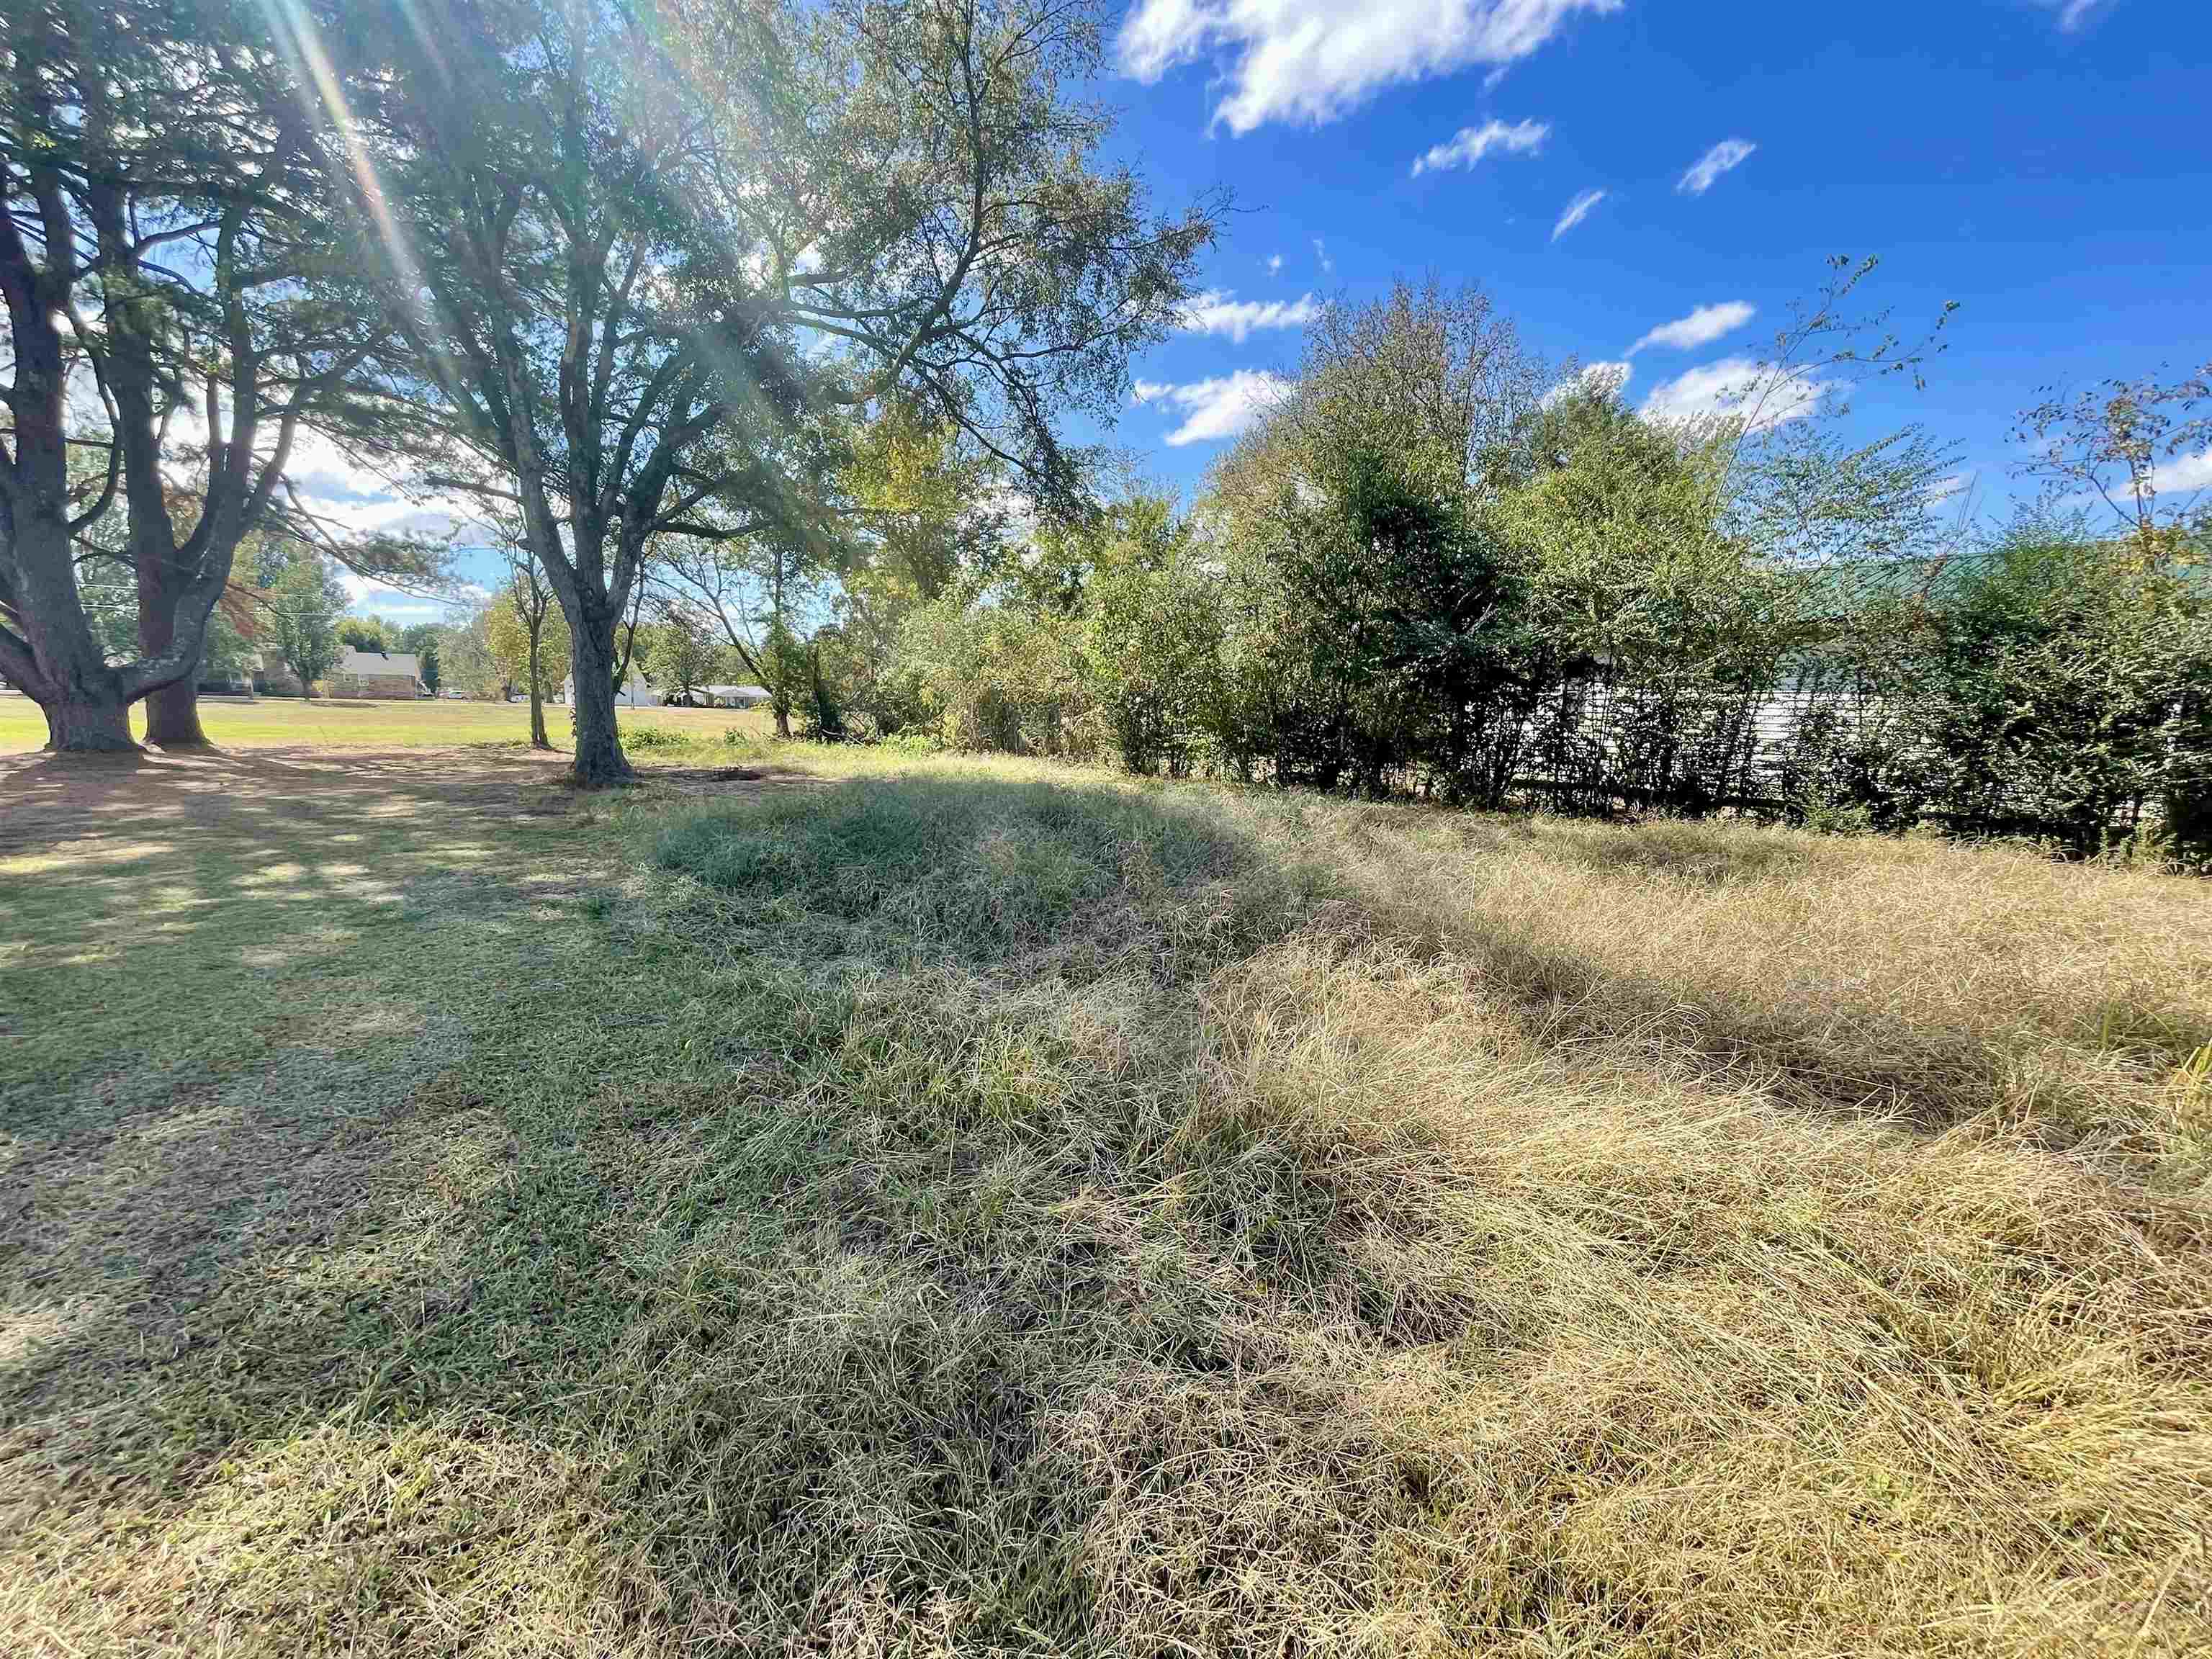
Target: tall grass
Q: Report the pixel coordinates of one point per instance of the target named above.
(977, 1210)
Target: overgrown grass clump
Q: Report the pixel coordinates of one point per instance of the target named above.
(978, 870)
(987, 1209)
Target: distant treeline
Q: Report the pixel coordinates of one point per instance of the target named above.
(1433, 569)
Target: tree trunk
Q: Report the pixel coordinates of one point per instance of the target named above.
(599, 760)
(783, 721)
(172, 716)
(57, 659)
(537, 738)
(88, 724)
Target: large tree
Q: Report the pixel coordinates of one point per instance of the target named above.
(164, 209)
(631, 233)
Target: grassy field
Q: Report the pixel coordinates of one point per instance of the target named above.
(894, 1207)
(332, 723)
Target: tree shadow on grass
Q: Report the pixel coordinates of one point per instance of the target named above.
(680, 1283)
(495, 1202)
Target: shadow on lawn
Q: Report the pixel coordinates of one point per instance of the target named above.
(288, 1314)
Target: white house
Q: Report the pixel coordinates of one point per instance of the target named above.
(734, 696)
(635, 694)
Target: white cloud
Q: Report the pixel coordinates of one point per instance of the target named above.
(1320, 254)
(1577, 211)
(1312, 60)
(1736, 386)
(2183, 473)
(350, 498)
(345, 496)
(1729, 154)
(1944, 490)
(1274, 264)
(1222, 312)
(1701, 327)
(365, 596)
(2072, 13)
(1610, 380)
(1218, 408)
(1470, 144)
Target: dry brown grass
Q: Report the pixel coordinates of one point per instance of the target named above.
(990, 1210)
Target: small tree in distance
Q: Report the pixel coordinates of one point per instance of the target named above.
(302, 611)
(686, 653)
(529, 638)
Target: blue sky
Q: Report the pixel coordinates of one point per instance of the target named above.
(2045, 163)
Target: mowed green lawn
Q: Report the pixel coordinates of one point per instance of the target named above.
(335, 723)
(938, 1207)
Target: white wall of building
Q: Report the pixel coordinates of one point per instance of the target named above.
(636, 695)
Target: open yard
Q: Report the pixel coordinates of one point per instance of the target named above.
(338, 723)
(878, 1207)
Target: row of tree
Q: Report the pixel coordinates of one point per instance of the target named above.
(626, 280)
(1435, 567)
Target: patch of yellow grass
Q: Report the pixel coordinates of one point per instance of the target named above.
(346, 723)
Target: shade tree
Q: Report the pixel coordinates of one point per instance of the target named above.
(174, 312)
(638, 232)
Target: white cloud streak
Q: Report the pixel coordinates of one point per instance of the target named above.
(1222, 312)
(2183, 474)
(2073, 14)
(1218, 408)
(345, 496)
(1737, 387)
(1723, 157)
(1701, 327)
(1310, 61)
(1577, 211)
(1470, 144)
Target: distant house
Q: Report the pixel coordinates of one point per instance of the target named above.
(638, 694)
(377, 674)
(260, 669)
(271, 676)
(734, 696)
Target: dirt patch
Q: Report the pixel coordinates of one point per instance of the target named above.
(705, 781)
